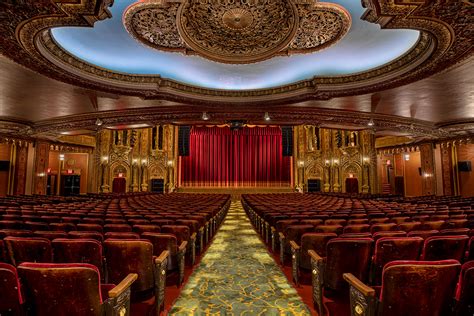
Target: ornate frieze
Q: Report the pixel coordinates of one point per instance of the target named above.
(237, 31)
(445, 40)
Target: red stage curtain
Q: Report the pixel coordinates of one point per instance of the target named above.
(247, 157)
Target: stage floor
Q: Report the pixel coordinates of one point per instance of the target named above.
(237, 191)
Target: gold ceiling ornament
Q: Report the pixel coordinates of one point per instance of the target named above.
(237, 31)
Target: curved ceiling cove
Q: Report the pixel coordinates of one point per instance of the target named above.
(146, 49)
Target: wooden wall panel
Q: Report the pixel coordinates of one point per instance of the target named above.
(466, 179)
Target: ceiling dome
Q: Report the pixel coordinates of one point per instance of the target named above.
(237, 31)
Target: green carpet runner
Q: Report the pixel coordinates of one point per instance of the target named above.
(237, 276)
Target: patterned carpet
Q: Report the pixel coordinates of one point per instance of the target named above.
(237, 276)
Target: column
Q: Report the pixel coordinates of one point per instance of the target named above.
(428, 169)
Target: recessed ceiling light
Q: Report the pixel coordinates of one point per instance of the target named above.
(371, 123)
(98, 122)
(266, 117)
(205, 116)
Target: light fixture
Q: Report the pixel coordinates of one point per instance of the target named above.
(135, 161)
(407, 157)
(266, 117)
(98, 122)
(61, 157)
(371, 122)
(169, 163)
(301, 163)
(105, 158)
(144, 162)
(205, 116)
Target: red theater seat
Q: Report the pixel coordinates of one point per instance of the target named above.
(78, 251)
(444, 247)
(74, 290)
(11, 299)
(465, 290)
(136, 256)
(409, 288)
(28, 249)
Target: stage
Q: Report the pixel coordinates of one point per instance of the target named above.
(235, 192)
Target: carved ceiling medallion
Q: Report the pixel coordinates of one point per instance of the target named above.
(237, 31)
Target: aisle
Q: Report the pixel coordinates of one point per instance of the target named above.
(237, 276)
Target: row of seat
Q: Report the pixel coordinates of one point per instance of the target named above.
(351, 244)
(143, 235)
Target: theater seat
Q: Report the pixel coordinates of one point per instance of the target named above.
(11, 299)
(389, 249)
(343, 255)
(73, 290)
(409, 288)
(28, 249)
(136, 256)
(78, 251)
(465, 290)
(168, 242)
(121, 235)
(299, 249)
(444, 247)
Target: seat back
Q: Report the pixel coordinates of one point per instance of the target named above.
(335, 229)
(131, 256)
(418, 288)
(61, 289)
(347, 255)
(294, 232)
(444, 247)
(121, 235)
(182, 233)
(28, 249)
(359, 228)
(146, 228)
(162, 242)
(78, 251)
(316, 242)
(465, 290)
(10, 293)
(86, 235)
(389, 249)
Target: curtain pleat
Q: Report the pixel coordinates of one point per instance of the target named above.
(249, 157)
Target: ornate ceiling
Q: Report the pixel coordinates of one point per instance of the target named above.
(33, 34)
(237, 31)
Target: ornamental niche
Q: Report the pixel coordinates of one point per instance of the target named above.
(237, 31)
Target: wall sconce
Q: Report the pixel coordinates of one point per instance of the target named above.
(351, 175)
(169, 163)
(407, 157)
(389, 162)
(144, 162)
(42, 174)
(301, 163)
(327, 162)
(427, 175)
(335, 162)
(205, 116)
(366, 160)
(61, 157)
(105, 159)
(135, 161)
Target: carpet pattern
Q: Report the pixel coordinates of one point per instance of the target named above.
(237, 276)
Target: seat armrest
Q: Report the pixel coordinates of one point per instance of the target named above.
(294, 245)
(183, 246)
(162, 257)
(358, 285)
(314, 255)
(123, 285)
(118, 303)
(363, 302)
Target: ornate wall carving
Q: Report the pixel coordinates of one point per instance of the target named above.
(447, 170)
(40, 166)
(428, 169)
(132, 154)
(20, 169)
(342, 154)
